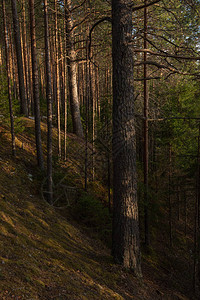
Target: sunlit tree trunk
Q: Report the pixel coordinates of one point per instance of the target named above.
(17, 38)
(36, 94)
(25, 54)
(12, 63)
(196, 266)
(87, 96)
(73, 89)
(146, 138)
(57, 79)
(98, 104)
(65, 91)
(30, 80)
(49, 105)
(126, 246)
(8, 77)
(53, 77)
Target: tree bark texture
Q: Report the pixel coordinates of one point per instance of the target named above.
(8, 78)
(25, 55)
(18, 47)
(71, 62)
(57, 79)
(146, 137)
(169, 196)
(126, 245)
(12, 64)
(65, 93)
(36, 93)
(49, 105)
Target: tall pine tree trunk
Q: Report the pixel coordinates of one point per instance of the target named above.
(126, 246)
(57, 79)
(49, 104)
(73, 88)
(18, 47)
(36, 94)
(25, 55)
(8, 77)
(25, 60)
(65, 93)
(146, 139)
(12, 63)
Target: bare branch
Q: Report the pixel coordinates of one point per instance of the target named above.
(175, 118)
(173, 70)
(144, 5)
(82, 21)
(166, 119)
(108, 19)
(78, 6)
(167, 54)
(146, 78)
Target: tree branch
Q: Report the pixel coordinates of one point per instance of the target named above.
(167, 54)
(159, 66)
(108, 19)
(78, 6)
(143, 6)
(147, 78)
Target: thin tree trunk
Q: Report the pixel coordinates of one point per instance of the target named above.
(146, 137)
(49, 105)
(126, 245)
(61, 68)
(25, 55)
(12, 63)
(169, 196)
(18, 47)
(65, 129)
(36, 93)
(73, 89)
(57, 79)
(1, 57)
(87, 117)
(93, 100)
(52, 63)
(30, 80)
(65, 90)
(8, 77)
(185, 212)
(178, 202)
(98, 103)
(196, 268)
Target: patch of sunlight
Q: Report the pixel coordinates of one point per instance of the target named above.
(18, 143)
(22, 230)
(7, 168)
(53, 244)
(6, 218)
(39, 282)
(3, 230)
(71, 231)
(30, 206)
(41, 221)
(35, 270)
(59, 264)
(3, 260)
(104, 291)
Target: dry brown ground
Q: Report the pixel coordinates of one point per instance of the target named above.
(42, 255)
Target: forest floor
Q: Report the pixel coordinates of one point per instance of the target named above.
(44, 255)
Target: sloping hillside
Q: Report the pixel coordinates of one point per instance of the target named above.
(43, 256)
